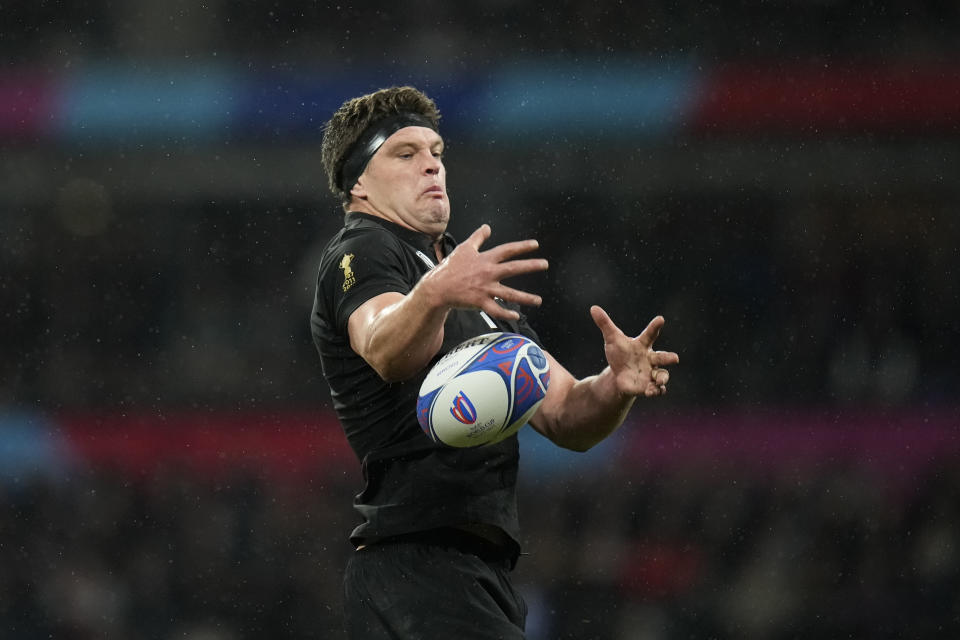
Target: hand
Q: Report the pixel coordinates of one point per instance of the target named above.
(470, 278)
(635, 365)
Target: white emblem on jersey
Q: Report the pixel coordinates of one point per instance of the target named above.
(428, 261)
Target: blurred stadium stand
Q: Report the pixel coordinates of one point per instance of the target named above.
(778, 179)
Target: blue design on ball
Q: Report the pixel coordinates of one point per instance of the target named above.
(423, 409)
(536, 356)
(526, 391)
(463, 410)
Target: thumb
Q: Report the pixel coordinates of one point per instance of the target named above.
(478, 237)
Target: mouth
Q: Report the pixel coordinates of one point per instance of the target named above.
(435, 190)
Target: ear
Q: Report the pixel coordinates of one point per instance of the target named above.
(359, 191)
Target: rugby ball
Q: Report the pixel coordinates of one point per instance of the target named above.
(483, 390)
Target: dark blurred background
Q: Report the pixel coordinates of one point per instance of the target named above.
(778, 179)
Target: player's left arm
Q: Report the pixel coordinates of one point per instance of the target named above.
(577, 414)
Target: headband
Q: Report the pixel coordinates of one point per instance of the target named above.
(371, 139)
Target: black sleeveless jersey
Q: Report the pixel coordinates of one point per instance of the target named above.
(410, 482)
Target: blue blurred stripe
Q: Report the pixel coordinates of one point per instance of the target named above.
(30, 445)
(122, 102)
(286, 105)
(601, 99)
(541, 460)
(131, 104)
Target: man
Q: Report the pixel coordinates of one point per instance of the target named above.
(395, 292)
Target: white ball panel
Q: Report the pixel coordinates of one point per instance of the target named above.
(486, 392)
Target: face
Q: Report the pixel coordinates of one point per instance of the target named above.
(406, 182)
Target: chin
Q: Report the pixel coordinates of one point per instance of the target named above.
(438, 227)
(440, 214)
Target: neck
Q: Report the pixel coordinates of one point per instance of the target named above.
(438, 248)
(360, 205)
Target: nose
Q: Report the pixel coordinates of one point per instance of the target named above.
(433, 164)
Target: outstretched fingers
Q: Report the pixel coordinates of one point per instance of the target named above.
(650, 334)
(509, 250)
(633, 360)
(519, 267)
(516, 295)
(664, 358)
(472, 279)
(609, 330)
(494, 310)
(502, 256)
(478, 237)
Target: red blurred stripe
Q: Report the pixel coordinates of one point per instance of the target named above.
(813, 99)
(900, 442)
(27, 105)
(286, 444)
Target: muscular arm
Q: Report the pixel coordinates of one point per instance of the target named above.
(577, 414)
(398, 334)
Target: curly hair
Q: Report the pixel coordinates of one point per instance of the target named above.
(354, 116)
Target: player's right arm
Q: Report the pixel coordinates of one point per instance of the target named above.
(398, 334)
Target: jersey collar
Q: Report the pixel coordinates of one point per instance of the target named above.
(418, 240)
